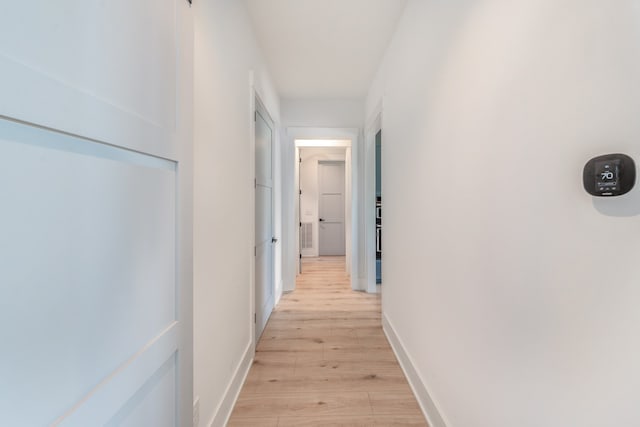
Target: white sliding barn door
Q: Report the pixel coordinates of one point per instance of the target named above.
(95, 173)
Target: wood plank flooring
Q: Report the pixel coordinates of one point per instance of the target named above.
(323, 360)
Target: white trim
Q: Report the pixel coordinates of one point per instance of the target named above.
(279, 294)
(223, 411)
(253, 93)
(375, 124)
(323, 143)
(427, 404)
(374, 120)
(364, 285)
(185, 202)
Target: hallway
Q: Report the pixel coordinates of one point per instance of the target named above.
(324, 360)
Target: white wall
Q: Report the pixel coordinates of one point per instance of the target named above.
(513, 291)
(334, 113)
(225, 53)
(309, 198)
(95, 260)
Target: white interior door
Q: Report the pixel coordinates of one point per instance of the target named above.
(265, 240)
(95, 260)
(331, 188)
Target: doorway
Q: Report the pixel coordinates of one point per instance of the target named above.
(264, 240)
(322, 195)
(300, 140)
(324, 200)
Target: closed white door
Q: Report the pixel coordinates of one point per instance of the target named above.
(95, 229)
(264, 219)
(331, 208)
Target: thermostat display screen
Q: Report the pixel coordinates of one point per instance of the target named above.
(607, 174)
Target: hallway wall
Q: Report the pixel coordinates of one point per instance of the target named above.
(225, 52)
(333, 113)
(513, 292)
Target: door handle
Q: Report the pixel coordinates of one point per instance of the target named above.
(274, 240)
(321, 219)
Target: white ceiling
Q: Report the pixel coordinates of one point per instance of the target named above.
(324, 48)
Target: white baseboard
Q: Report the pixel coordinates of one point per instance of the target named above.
(431, 412)
(223, 413)
(363, 283)
(279, 292)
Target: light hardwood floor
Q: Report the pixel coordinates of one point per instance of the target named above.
(323, 360)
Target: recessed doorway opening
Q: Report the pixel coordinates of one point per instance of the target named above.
(324, 186)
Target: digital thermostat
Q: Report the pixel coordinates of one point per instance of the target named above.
(609, 175)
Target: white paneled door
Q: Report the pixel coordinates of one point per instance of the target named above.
(95, 252)
(331, 209)
(265, 240)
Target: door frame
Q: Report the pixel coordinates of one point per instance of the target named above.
(373, 127)
(350, 242)
(352, 139)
